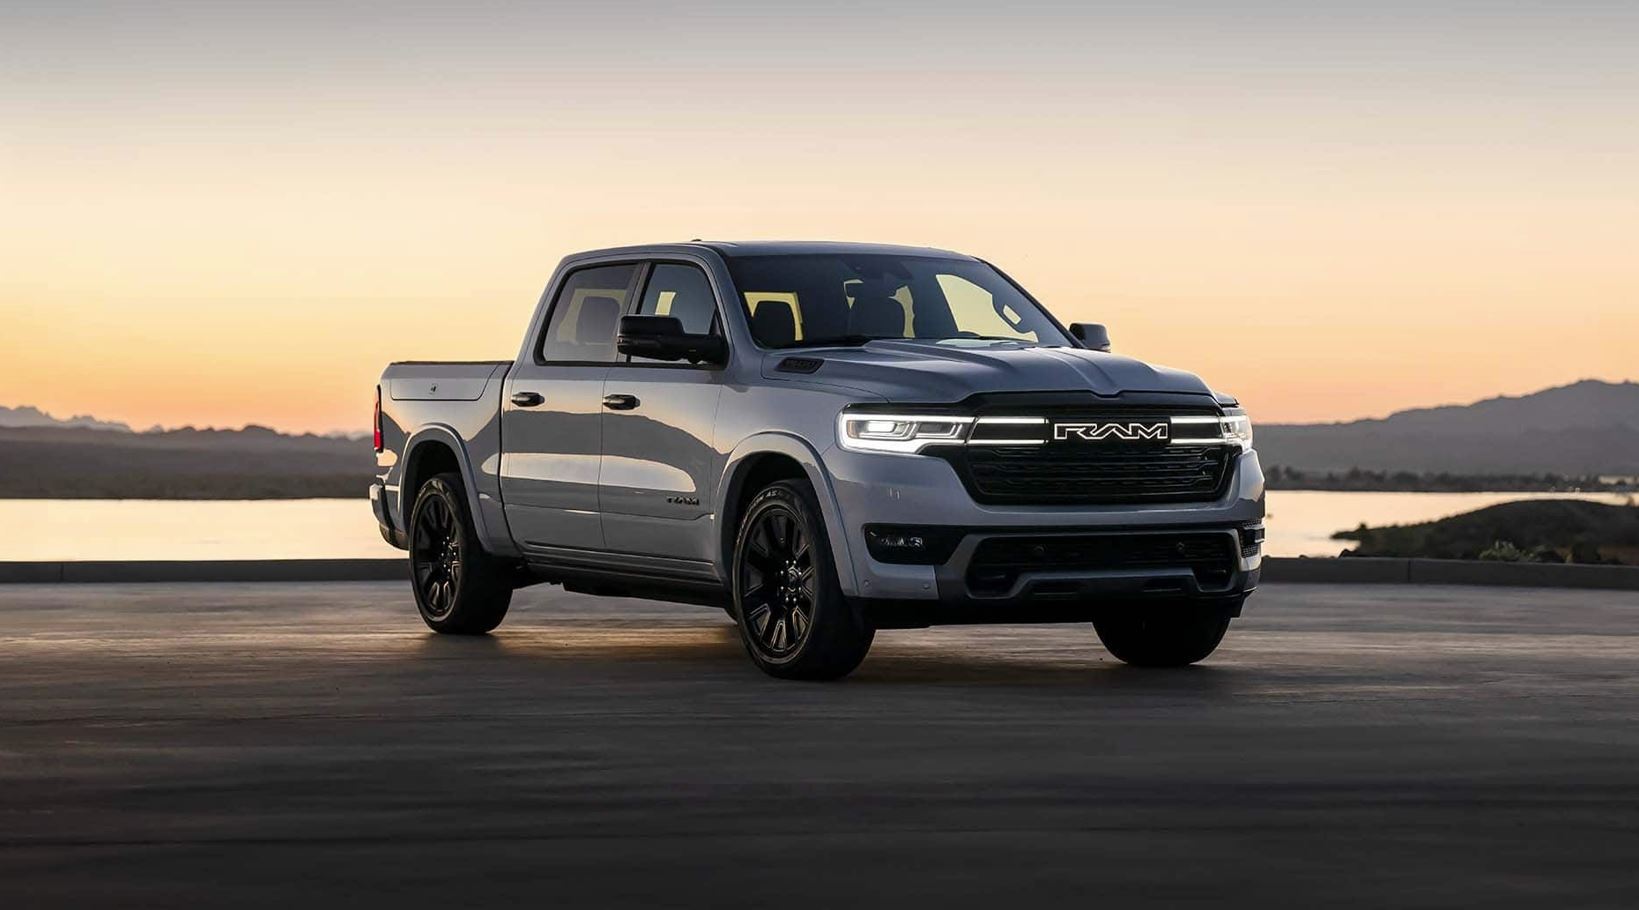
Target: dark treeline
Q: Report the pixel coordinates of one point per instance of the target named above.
(1547, 530)
(54, 463)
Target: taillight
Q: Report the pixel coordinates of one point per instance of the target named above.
(378, 418)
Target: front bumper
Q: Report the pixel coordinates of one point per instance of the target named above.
(912, 491)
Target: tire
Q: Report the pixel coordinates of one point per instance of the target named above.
(1163, 635)
(792, 617)
(459, 589)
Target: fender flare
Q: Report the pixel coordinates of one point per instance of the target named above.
(441, 433)
(798, 450)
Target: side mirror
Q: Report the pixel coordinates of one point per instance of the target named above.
(1091, 335)
(663, 338)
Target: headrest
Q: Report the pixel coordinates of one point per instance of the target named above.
(773, 323)
(693, 310)
(596, 322)
(877, 317)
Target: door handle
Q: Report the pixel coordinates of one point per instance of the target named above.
(620, 402)
(527, 399)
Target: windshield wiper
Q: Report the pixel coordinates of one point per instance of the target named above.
(857, 340)
(852, 341)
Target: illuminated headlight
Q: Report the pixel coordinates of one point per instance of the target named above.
(901, 434)
(1237, 426)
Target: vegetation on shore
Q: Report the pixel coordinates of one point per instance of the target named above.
(254, 463)
(1357, 479)
(1542, 530)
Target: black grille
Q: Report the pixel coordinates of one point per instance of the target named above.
(1092, 474)
(999, 561)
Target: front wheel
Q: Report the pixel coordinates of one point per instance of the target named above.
(1162, 635)
(793, 619)
(459, 589)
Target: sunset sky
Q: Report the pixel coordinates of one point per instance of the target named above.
(220, 213)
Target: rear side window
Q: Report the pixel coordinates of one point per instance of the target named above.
(585, 314)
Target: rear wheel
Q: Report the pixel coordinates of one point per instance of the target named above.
(458, 588)
(793, 619)
(1163, 635)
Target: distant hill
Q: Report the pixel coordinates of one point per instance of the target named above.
(1585, 428)
(27, 416)
(1588, 428)
(55, 462)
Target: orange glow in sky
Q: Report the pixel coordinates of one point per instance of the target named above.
(217, 216)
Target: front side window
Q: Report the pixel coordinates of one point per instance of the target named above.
(682, 292)
(810, 300)
(586, 313)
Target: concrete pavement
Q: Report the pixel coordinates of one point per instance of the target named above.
(270, 745)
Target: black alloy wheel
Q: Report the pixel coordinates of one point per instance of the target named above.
(437, 557)
(777, 582)
(459, 588)
(793, 618)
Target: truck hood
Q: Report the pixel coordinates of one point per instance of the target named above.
(923, 371)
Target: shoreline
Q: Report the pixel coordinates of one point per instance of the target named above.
(1276, 570)
(363, 494)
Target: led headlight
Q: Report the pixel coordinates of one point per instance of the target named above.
(901, 434)
(1237, 426)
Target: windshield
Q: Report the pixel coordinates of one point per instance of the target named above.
(837, 298)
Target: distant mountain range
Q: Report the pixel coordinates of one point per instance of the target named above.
(31, 417)
(27, 416)
(1586, 428)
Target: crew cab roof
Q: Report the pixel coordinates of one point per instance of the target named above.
(736, 248)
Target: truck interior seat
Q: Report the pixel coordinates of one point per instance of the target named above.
(773, 324)
(877, 316)
(694, 311)
(595, 326)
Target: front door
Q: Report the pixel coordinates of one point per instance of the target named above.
(552, 415)
(660, 461)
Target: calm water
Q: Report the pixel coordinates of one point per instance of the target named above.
(74, 529)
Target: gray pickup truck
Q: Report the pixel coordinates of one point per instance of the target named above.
(824, 439)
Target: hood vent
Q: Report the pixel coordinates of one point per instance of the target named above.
(799, 365)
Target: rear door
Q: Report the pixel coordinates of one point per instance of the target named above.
(552, 415)
(660, 462)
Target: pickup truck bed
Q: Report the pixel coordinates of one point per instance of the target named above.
(458, 403)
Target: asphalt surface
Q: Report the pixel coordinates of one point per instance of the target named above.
(279, 745)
